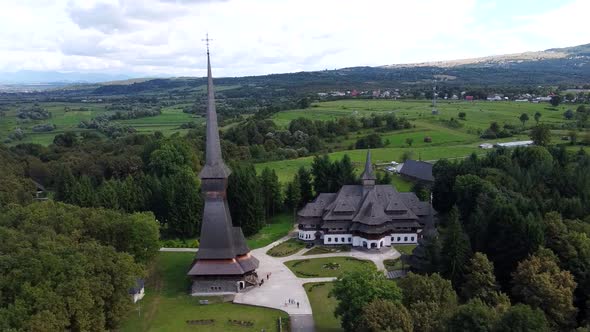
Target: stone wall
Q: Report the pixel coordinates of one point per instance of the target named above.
(221, 285)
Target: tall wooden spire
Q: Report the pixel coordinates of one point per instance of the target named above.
(214, 168)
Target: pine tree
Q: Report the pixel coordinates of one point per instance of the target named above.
(455, 250)
(183, 204)
(305, 186)
(107, 195)
(293, 194)
(343, 173)
(271, 192)
(83, 193)
(64, 185)
(480, 282)
(321, 168)
(246, 205)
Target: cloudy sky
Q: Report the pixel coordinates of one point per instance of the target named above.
(164, 37)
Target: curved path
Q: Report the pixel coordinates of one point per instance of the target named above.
(283, 284)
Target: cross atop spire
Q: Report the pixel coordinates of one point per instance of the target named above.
(207, 40)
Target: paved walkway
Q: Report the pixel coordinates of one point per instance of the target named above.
(284, 284)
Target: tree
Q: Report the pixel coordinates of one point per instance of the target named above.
(539, 282)
(524, 118)
(321, 168)
(409, 141)
(522, 318)
(455, 249)
(271, 192)
(305, 185)
(182, 204)
(407, 155)
(569, 114)
(537, 117)
(555, 100)
(64, 186)
(474, 316)
(541, 135)
(78, 275)
(382, 315)
(354, 290)
(83, 193)
(293, 194)
(462, 115)
(343, 172)
(480, 282)
(430, 300)
(246, 206)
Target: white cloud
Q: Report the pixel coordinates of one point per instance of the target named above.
(152, 37)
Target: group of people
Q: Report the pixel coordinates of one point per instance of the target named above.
(291, 301)
(262, 280)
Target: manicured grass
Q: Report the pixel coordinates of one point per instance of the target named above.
(319, 267)
(278, 226)
(167, 305)
(405, 248)
(323, 306)
(286, 248)
(393, 264)
(318, 250)
(401, 184)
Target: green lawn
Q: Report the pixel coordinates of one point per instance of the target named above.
(323, 306)
(318, 250)
(278, 226)
(405, 248)
(167, 305)
(286, 248)
(326, 267)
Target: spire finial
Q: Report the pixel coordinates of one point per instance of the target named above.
(207, 40)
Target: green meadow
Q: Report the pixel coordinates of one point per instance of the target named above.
(167, 306)
(66, 116)
(446, 142)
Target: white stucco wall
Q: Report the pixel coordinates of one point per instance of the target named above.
(337, 238)
(307, 235)
(396, 238)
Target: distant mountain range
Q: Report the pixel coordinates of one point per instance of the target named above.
(32, 77)
(570, 65)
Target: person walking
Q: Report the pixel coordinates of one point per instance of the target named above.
(297, 305)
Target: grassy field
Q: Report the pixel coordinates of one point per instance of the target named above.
(326, 267)
(286, 169)
(323, 306)
(478, 114)
(286, 248)
(278, 226)
(446, 142)
(167, 305)
(66, 116)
